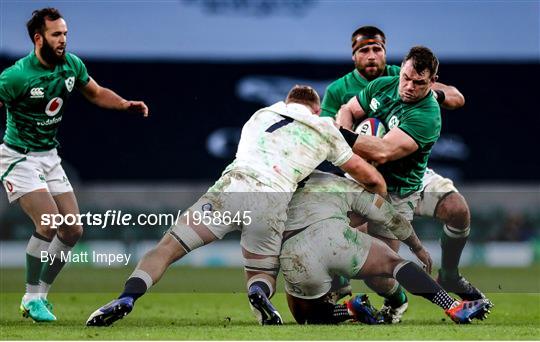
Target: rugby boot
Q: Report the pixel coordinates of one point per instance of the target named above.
(461, 287)
(48, 304)
(362, 311)
(262, 307)
(392, 313)
(37, 310)
(111, 312)
(465, 311)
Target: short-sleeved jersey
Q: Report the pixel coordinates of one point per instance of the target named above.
(282, 144)
(343, 89)
(35, 98)
(324, 196)
(420, 120)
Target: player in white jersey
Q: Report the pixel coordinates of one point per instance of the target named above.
(280, 145)
(319, 245)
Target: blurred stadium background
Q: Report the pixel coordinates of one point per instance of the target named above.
(205, 66)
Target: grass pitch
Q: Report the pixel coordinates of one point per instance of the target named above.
(207, 304)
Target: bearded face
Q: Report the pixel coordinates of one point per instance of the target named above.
(53, 55)
(370, 61)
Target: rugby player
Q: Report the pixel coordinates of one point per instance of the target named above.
(34, 92)
(279, 146)
(319, 244)
(439, 198)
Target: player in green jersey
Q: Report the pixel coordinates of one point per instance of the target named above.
(407, 108)
(439, 198)
(369, 57)
(34, 91)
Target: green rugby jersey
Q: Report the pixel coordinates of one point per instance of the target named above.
(35, 97)
(343, 89)
(420, 120)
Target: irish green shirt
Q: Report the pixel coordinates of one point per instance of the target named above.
(35, 98)
(343, 89)
(420, 120)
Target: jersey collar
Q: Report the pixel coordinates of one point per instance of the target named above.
(294, 108)
(298, 108)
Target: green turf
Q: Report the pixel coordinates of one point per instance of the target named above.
(184, 314)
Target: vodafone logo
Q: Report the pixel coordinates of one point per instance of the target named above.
(9, 186)
(54, 106)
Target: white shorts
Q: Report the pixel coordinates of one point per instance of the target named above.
(435, 187)
(405, 206)
(241, 196)
(24, 173)
(312, 258)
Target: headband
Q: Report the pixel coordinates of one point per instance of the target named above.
(362, 40)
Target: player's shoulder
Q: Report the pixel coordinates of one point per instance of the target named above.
(427, 111)
(72, 57)
(392, 70)
(385, 80)
(341, 82)
(383, 83)
(18, 72)
(329, 182)
(430, 104)
(73, 60)
(325, 124)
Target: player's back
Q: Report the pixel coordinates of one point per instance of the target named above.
(283, 143)
(323, 196)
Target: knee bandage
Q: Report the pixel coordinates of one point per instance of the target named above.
(268, 265)
(186, 236)
(456, 233)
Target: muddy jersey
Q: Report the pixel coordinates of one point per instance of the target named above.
(323, 196)
(282, 144)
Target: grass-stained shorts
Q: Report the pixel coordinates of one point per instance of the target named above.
(310, 259)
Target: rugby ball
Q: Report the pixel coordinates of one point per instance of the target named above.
(373, 127)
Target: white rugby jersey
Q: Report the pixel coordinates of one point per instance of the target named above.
(325, 196)
(282, 144)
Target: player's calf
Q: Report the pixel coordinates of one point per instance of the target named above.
(395, 299)
(261, 273)
(453, 210)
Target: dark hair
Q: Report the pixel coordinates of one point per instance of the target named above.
(368, 31)
(423, 58)
(304, 95)
(36, 24)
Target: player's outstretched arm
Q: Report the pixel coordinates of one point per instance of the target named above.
(451, 96)
(396, 144)
(349, 113)
(365, 174)
(106, 98)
